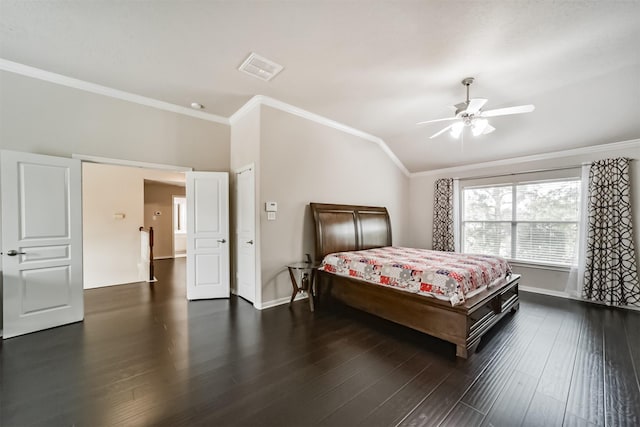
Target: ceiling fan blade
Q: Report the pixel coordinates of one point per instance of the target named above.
(475, 105)
(508, 110)
(488, 129)
(441, 131)
(437, 120)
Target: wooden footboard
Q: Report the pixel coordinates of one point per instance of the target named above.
(462, 325)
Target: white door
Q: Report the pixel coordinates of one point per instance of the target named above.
(245, 234)
(41, 242)
(207, 235)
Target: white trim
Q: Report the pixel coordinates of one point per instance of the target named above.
(291, 109)
(280, 301)
(257, 100)
(130, 163)
(296, 111)
(245, 109)
(457, 203)
(633, 143)
(565, 295)
(163, 257)
(37, 73)
(548, 292)
(540, 266)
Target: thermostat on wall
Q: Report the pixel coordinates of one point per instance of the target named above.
(271, 206)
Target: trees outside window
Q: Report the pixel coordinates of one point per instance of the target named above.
(534, 222)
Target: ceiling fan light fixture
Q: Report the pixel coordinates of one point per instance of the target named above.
(456, 129)
(479, 126)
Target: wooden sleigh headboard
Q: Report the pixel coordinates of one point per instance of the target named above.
(349, 228)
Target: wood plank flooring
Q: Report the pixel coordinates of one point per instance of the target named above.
(145, 356)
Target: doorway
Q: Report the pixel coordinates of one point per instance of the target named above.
(169, 225)
(117, 200)
(53, 240)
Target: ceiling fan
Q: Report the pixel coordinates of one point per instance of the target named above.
(470, 114)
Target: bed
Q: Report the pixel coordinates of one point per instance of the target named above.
(343, 228)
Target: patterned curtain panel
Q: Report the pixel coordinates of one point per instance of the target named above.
(611, 274)
(443, 216)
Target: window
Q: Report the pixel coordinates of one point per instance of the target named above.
(525, 221)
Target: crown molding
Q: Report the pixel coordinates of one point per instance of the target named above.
(257, 100)
(37, 73)
(252, 103)
(633, 143)
(296, 111)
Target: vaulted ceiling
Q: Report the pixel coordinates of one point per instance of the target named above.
(377, 66)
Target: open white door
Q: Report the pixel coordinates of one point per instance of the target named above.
(207, 235)
(41, 242)
(245, 234)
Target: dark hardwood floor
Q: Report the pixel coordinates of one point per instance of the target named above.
(144, 356)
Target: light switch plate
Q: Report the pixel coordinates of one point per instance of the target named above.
(271, 206)
(271, 216)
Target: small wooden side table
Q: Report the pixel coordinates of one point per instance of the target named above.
(307, 272)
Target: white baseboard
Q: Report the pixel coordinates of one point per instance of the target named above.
(541, 291)
(180, 256)
(162, 257)
(280, 301)
(565, 295)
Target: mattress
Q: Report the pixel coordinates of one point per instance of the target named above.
(449, 276)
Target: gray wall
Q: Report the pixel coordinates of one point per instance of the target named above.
(46, 118)
(302, 161)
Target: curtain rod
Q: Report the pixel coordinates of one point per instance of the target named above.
(525, 172)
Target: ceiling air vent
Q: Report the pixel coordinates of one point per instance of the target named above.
(260, 67)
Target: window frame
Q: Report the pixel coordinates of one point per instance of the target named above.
(513, 182)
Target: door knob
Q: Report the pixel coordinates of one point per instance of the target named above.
(13, 252)
(250, 242)
(222, 240)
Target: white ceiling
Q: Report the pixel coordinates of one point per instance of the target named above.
(377, 66)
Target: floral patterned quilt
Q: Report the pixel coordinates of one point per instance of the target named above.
(450, 276)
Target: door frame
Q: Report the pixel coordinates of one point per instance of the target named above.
(130, 163)
(173, 219)
(257, 303)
